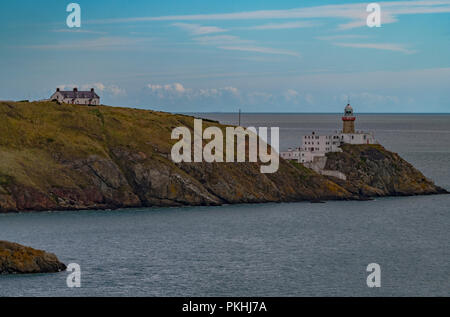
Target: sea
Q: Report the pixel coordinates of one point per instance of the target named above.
(288, 249)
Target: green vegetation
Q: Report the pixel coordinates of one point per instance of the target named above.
(55, 157)
(36, 137)
(305, 172)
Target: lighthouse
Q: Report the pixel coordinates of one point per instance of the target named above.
(314, 148)
(348, 120)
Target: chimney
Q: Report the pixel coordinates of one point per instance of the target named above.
(57, 89)
(92, 89)
(75, 89)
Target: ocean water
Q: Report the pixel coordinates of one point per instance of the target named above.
(295, 249)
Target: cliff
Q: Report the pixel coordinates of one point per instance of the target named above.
(18, 259)
(69, 157)
(372, 171)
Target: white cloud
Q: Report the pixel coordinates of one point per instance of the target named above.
(371, 98)
(176, 94)
(234, 43)
(113, 90)
(197, 29)
(177, 90)
(260, 49)
(66, 86)
(102, 43)
(340, 37)
(221, 40)
(355, 12)
(346, 16)
(378, 46)
(98, 86)
(292, 96)
(282, 26)
(83, 31)
(109, 89)
(172, 88)
(372, 102)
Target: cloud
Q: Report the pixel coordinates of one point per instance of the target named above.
(67, 86)
(378, 46)
(235, 43)
(371, 98)
(282, 26)
(177, 90)
(373, 102)
(176, 94)
(109, 89)
(340, 37)
(102, 43)
(260, 49)
(83, 31)
(112, 90)
(292, 96)
(219, 40)
(355, 12)
(171, 88)
(197, 29)
(260, 98)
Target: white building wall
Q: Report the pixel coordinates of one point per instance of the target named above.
(58, 96)
(316, 146)
(291, 154)
(81, 101)
(78, 101)
(357, 138)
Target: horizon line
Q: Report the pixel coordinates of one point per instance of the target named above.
(338, 113)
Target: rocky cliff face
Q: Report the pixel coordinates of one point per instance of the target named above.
(18, 259)
(66, 157)
(371, 171)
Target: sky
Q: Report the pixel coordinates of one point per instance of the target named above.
(221, 56)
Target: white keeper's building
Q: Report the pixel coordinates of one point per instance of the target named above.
(76, 97)
(314, 146)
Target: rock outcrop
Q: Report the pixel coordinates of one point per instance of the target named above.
(372, 171)
(18, 259)
(71, 157)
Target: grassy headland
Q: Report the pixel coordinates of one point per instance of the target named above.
(58, 157)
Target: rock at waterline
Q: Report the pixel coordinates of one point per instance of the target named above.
(18, 259)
